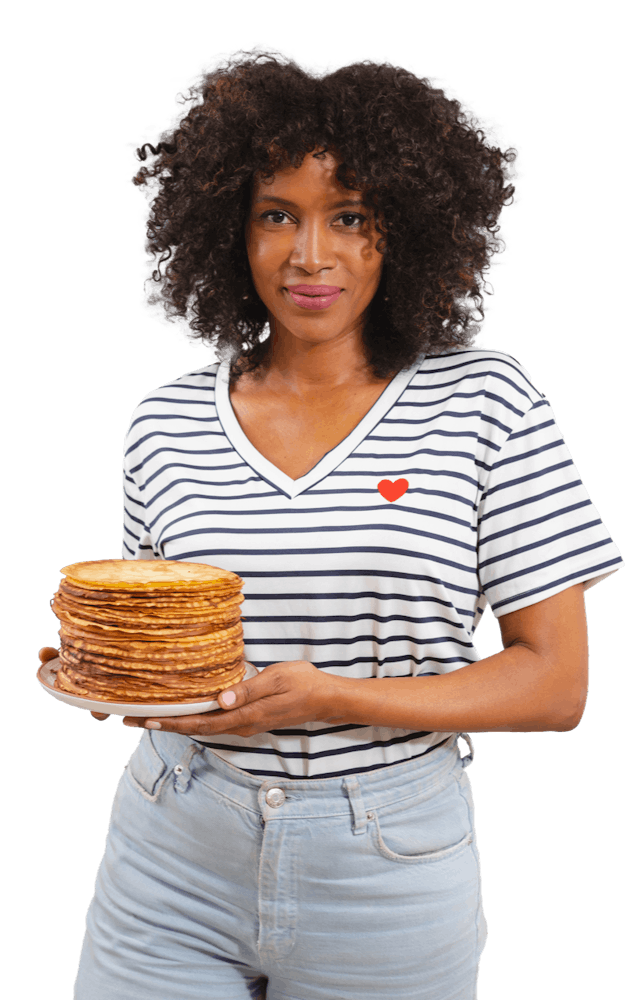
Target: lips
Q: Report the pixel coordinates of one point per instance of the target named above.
(314, 296)
(314, 289)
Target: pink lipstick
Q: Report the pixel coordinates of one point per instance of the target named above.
(314, 296)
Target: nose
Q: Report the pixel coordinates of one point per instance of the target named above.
(312, 249)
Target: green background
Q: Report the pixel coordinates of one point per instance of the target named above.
(554, 811)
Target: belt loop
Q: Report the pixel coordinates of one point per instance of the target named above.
(182, 770)
(359, 816)
(469, 757)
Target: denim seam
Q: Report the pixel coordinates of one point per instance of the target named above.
(478, 872)
(422, 794)
(159, 784)
(429, 857)
(228, 798)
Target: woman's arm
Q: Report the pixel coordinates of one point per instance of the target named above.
(538, 682)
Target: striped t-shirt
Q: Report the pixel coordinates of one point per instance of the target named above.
(454, 491)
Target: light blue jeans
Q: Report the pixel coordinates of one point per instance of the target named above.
(215, 886)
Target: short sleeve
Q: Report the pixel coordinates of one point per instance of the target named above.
(136, 543)
(539, 531)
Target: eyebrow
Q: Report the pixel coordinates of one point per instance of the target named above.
(349, 203)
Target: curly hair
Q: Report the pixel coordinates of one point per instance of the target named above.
(435, 185)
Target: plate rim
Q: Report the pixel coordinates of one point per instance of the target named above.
(134, 709)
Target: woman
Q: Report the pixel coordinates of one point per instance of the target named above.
(376, 482)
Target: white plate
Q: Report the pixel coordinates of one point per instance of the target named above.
(47, 675)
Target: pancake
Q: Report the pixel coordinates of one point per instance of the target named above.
(141, 601)
(148, 631)
(170, 661)
(136, 690)
(121, 664)
(108, 614)
(162, 649)
(104, 620)
(137, 574)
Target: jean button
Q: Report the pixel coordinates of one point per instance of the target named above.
(178, 769)
(275, 797)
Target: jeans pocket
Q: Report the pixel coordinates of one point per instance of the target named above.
(428, 830)
(146, 769)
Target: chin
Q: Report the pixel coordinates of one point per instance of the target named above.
(315, 330)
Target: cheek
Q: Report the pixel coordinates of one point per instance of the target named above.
(372, 270)
(264, 262)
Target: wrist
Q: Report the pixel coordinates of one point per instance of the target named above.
(341, 698)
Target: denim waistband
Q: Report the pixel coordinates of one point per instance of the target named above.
(337, 794)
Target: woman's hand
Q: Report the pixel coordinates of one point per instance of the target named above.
(49, 653)
(281, 695)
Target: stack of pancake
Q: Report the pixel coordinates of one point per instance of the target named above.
(148, 631)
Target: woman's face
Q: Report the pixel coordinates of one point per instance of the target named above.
(304, 229)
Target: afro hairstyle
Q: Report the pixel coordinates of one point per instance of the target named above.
(434, 183)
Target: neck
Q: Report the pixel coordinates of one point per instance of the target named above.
(307, 366)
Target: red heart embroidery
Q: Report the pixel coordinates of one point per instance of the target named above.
(392, 490)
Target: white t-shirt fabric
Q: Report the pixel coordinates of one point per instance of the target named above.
(455, 491)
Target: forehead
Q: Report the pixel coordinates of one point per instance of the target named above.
(315, 177)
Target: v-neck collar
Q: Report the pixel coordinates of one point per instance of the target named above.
(330, 461)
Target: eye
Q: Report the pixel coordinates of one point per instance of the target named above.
(274, 211)
(353, 215)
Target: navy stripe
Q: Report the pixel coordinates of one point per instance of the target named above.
(378, 660)
(371, 617)
(189, 386)
(358, 573)
(585, 574)
(346, 596)
(130, 534)
(529, 500)
(178, 482)
(200, 468)
(430, 363)
(219, 512)
(129, 549)
(402, 456)
(138, 503)
(334, 751)
(524, 525)
(477, 375)
(167, 434)
(543, 565)
(528, 479)
(337, 663)
(313, 551)
(440, 432)
(320, 530)
(188, 452)
(173, 416)
(538, 543)
(531, 430)
(493, 421)
(378, 640)
(522, 456)
(182, 402)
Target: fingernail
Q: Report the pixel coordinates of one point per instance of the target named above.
(228, 697)
(152, 725)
